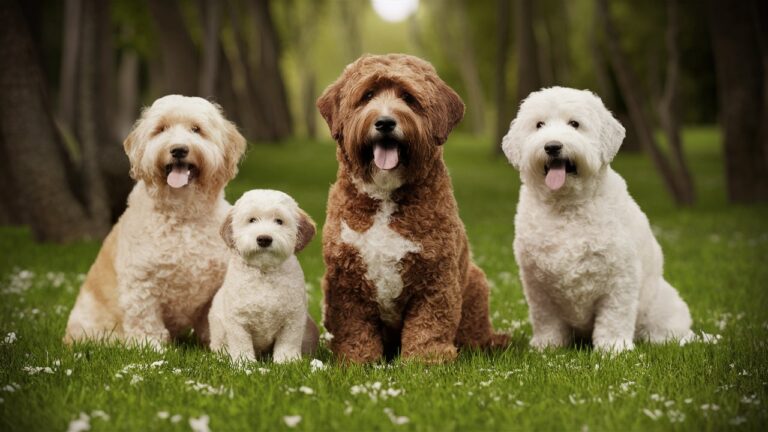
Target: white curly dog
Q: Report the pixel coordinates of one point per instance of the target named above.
(262, 305)
(163, 261)
(588, 260)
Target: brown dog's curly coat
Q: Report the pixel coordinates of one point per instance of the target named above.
(429, 298)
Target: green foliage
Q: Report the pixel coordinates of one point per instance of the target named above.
(715, 255)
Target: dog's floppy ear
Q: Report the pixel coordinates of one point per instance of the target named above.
(511, 143)
(450, 111)
(130, 145)
(611, 136)
(226, 231)
(328, 104)
(235, 142)
(306, 231)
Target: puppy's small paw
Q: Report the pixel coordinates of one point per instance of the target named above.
(542, 342)
(285, 357)
(614, 346)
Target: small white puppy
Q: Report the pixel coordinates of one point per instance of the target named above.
(588, 260)
(262, 304)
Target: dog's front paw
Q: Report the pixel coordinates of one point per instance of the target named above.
(613, 346)
(542, 342)
(432, 354)
(286, 356)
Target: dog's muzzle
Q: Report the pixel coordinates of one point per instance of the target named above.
(180, 173)
(555, 171)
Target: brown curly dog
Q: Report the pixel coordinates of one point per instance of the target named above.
(398, 267)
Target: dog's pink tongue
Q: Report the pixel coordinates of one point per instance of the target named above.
(385, 158)
(178, 177)
(555, 177)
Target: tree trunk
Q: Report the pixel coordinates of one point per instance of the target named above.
(738, 42)
(349, 16)
(503, 10)
(69, 59)
(178, 56)
(461, 52)
(257, 125)
(669, 110)
(674, 182)
(209, 64)
(270, 78)
(34, 166)
(528, 77)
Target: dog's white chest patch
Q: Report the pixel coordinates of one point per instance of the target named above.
(382, 249)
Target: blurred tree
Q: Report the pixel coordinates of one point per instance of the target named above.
(528, 77)
(178, 57)
(673, 173)
(740, 44)
(86, 104)
(503, 11)
(38, 181)
(349, 16)
(458, 40)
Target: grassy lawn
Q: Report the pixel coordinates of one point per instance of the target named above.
(716, 255)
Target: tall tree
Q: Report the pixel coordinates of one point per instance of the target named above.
(270, 78)
(37, 176)
(740, 46)
(178, 56)
(503, 12)
(528, 77)
(679, 186)
(460, 49)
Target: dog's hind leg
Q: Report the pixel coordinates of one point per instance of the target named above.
(475, 329)
(666, 317)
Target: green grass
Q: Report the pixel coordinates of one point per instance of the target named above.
(715, 255)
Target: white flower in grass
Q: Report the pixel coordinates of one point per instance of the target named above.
(100, 414)
(654, 415)
(199, 424)
(316, 365)
(80, 424)
(708, 407)
(10, 338)
(135, 379)
(737, 420)
(163, 414)
(750, 400)
(292, 421)
(306, 390)
(395, 419)
(68, 372)
(688, 400)
(176, 418)
(263, 371)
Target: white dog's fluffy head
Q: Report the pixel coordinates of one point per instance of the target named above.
(574, 120)
(184, 143)
(265, 227)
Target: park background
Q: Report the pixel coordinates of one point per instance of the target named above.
(688, 79)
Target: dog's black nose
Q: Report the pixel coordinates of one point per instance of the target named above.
(180, 152)
(385, 124)
(264, 241)
(553, 148)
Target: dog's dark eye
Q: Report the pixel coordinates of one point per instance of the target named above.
(196, 129)
(408, 98)
(368, 95)
(251, 220)
(160, 129)
(574, 124)
(539, 125)
(279, 221)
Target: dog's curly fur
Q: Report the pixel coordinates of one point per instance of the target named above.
(398, 266)
(163, 261)
(588, 260)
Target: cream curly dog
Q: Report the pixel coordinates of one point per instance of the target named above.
(262, 305)
(163, 261)
(588, 260)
